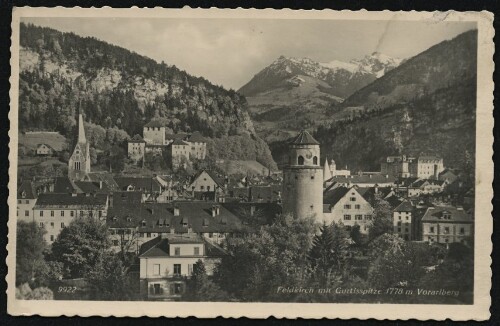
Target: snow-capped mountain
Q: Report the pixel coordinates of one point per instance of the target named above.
(344, 77)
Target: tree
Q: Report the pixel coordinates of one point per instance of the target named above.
(108, 278)
(30, 245)
(201, 288)
(24, 292)
(80, 246)
(382, 217)
(260, 262)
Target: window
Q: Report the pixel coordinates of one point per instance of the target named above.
(312, 177)
(156, 269)
(26, 201)
(62, 213)
(202, 187)
(352, 199)
(358, 217)
(462, 230)
(446, 230)
(51, 238)
(177, 269)
(210, 235)
(148, 235)
(315, 160)
(52, 224)
(368, 217)
(177, 251)
(41, 213)
(177, 288)
(62, 225)
(196, 251)
(71, 213)
(347, 206)
(41, 224)
(208, 188)
(431, 230)
(347, 217)
(357, 206)
(100, 213)
(26, 213)
(300, 160)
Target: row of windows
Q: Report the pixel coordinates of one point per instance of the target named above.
(19, 201)
(71, 213)
(357, 217)
(52, 225)
(347, 206)
(446, 230)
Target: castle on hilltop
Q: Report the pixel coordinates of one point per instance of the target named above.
(180, 147)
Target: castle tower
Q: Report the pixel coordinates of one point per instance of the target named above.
(303, 178)
(79, 162)
(327, 173)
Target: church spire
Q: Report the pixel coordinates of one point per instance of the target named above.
(81, 129)
(327, 174)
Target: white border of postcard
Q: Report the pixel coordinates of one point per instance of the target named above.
(483, 194)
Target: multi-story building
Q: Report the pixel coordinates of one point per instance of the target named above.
(402, 221)
(55, 211)
(447, 224)
(136, 148)
(154, 132)
(424, 167)
(167, 261)
(347, 206)
(26, 200)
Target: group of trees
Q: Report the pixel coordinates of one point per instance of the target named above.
(82, 250)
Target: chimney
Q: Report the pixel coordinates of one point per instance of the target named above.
(177, 211)
(252, 210)
(73, 193)
(100, 184)
(190, 230)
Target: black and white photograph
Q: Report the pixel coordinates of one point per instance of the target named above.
(248, 160)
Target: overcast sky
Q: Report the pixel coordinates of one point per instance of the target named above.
(230, 52)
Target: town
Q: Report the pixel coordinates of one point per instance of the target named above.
(166, 226)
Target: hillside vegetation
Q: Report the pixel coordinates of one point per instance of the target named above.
(118, 90)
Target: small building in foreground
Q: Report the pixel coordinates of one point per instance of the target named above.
(167, 261)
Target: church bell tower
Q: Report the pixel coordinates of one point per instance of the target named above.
(79, 162)
(303, 178)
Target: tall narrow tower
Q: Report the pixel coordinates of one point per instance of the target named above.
(79, 162)
(303, 178)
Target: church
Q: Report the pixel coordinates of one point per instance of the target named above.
(79, 162)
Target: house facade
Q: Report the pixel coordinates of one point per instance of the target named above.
(447, 224)
(54, 211)
(26, 200)
(44, 150)
(136, 148)
(347, 206)
(402, 221)
(167, 261)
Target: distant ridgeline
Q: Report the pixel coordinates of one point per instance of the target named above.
(426, 105)
(117, 89)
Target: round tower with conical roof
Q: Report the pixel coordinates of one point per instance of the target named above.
(303, 178)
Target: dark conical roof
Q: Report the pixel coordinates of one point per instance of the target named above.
(304, 138)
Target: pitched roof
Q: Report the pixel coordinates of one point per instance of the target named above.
(304, 138)
(137, 139)
(179, 142)
(63, 200)
(105, 177)
(47, 145)
(196, 137)
(92, 187)
(138, 183)
(180, 136)
(368, 193)
(437, 214)
(211, 174)
(367, 179)
(64, 185)
(333, 196)
(27, 188)
(160, 246)
(405, 206)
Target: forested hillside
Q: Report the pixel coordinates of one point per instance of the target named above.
(119, 91)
